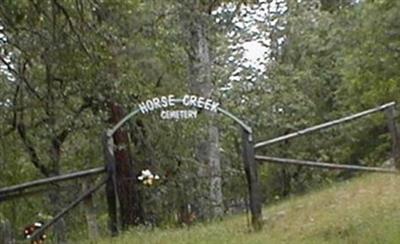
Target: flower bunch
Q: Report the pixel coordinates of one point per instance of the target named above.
(147, 177)
(28, 231)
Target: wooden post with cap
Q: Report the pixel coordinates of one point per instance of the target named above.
(251, 169)
(391, 116)
(111, 193)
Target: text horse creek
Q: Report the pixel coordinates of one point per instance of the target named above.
(191, 101)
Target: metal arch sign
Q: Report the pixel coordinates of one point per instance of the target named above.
(191, 102)
(197, 102)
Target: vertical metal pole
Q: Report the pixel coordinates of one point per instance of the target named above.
(251, 169)
(111, 192)
(394, 132)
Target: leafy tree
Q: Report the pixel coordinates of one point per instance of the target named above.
(66, 64)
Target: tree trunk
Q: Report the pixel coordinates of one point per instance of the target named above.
(131, 211)
(55, 197)
(215, 172)
(200, 83)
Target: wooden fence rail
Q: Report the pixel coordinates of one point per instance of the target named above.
(12, 191)
(324, 125)
(325, 165)
(69, 207)
(31, 192)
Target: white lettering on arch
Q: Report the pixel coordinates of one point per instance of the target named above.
(193, 102)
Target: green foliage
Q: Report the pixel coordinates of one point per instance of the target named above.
(370, 66)
(328, 65)
(65, 61)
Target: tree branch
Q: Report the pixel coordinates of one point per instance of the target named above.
(59, 139)
(72, 27)
(37, 8)
(31, 150)
(20, 77)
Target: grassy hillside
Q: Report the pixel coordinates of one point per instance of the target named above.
(363, 210)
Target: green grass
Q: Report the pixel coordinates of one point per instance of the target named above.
(363, 210)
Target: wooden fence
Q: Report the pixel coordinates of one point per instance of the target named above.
(250, 159)
(390, 112)
(24, 189)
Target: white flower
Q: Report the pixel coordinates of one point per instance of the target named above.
(38, 224)
(146, 172)
(147, 177)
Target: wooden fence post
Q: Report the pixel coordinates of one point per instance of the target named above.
(111, 183)
(251, 169)
(5, 232)
(90, 213)
(394, 132)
